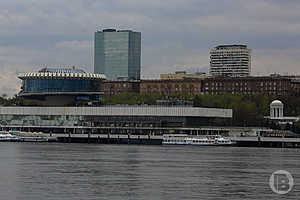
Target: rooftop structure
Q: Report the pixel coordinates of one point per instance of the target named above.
(62, 70)
(56, 73)
(233, 46)
(182, 75)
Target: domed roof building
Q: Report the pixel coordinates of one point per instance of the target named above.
(276, 103)
(276, 109)
(61, 86)
(276, 114)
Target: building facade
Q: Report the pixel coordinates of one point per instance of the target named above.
(182, 75)
(117, 53)
(111, 88)
(113, 116)
(58, 86)
(272, 86)
(230, 60)
(169, 87)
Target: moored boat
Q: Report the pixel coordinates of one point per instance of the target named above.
(7, 137)
(209, 140)
(30, 136)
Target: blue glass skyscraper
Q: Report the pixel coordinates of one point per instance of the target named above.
(117, 53)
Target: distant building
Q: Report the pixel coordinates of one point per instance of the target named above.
(182, 75)
(117, 53)
(57, 87)
(111, 88)
(230, 60)
(272, 86)
(168, 87)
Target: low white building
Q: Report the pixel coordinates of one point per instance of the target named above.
(107, 116)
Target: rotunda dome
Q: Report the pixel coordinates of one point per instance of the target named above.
(276, 103)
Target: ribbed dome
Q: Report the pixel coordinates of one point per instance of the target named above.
(62, 70)
(276, 103)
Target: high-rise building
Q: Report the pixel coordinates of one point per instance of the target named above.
(230, 60)
(117, 54)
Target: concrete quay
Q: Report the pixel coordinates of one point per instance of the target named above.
(109, 139)
(253, 141)
(281, 142)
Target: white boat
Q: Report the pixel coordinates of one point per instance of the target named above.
(209, 140)
(30, 136)
(33, 139)
(7, 137)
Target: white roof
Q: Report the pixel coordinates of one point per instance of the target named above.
(276, 102)
(120, 111)
(54, 75)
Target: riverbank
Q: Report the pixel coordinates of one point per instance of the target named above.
(254, 141)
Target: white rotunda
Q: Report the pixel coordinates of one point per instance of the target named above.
(276, 109)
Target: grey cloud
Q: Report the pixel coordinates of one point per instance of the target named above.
(175, 33)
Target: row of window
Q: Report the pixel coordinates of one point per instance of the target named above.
(245, 83)
(176, 89)
(244, 92)
(57, 85)
(246, 88)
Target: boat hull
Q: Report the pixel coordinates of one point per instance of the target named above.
(195, 141)
(229, 144)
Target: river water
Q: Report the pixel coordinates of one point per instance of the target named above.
(42, 171)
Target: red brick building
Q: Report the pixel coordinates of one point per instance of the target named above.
(269, 85)
(167, 87)
(118, 87)
(247, 85)
(295, 82)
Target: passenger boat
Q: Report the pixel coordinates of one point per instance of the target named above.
(7, 137)
(209, 140)
(29, 136)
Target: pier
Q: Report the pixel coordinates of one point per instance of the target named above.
(244, 136)
(272, 142)
(277, 142)
(110, 139)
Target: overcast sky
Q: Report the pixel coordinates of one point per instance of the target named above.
(176, 34)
